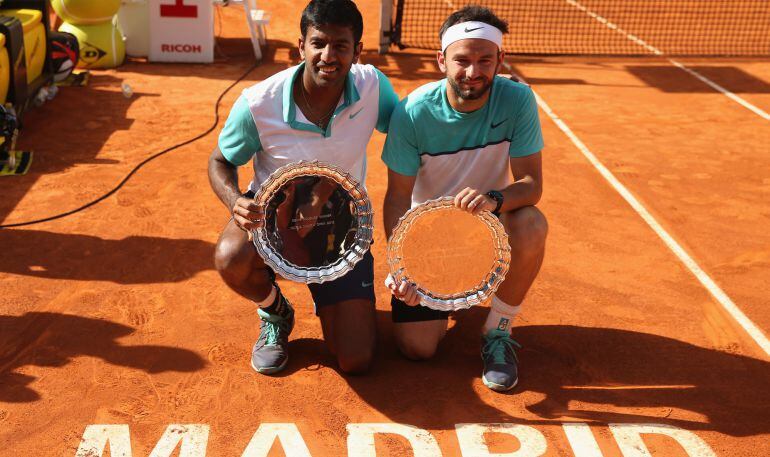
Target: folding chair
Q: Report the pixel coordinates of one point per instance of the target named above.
(257, 20)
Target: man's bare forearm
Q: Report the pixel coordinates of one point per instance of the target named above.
(223, 178)
(392, 210)
(523, 192)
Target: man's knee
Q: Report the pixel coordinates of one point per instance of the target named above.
(415, 348)
(355, 360)
(226, 254)
(230, 260)
(527, 227)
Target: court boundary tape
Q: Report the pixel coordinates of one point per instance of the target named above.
(612, 26)
(721, 297)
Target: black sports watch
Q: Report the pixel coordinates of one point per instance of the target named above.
(497, 196)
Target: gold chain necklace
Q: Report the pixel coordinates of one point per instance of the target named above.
(321, 120)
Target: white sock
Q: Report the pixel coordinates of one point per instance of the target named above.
(269, 300)
(500, 315)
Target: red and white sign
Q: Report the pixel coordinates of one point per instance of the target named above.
(181, 31)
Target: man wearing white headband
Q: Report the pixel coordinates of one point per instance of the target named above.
(474, 136)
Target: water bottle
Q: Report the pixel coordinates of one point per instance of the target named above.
(128, 92)
(40, 97)
(51, 92)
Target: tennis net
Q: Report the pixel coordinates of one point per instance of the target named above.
(603, 27)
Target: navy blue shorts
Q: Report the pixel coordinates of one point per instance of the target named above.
(405, 313)
(358, 283)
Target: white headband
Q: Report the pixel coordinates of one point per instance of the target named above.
(472, 29)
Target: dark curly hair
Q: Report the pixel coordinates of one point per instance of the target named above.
(335, 12)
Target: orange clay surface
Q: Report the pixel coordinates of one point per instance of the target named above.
(438, 246)
(115, 315)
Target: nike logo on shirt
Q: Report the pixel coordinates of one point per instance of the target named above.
(494, 126)
(356, 113)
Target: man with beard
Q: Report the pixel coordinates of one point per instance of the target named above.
(489, 125)
(324, 109)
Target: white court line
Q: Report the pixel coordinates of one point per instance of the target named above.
(727, 303)
(754, 332)
(756, 110)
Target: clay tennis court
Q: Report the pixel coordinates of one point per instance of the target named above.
(113, 321)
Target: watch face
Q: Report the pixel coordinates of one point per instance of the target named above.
(495, 195)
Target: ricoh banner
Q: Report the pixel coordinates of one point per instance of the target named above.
(181, 31)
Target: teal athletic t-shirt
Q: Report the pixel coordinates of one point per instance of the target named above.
(449, 150)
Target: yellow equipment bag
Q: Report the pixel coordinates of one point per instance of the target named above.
(86, 12)
(5, 71)
(101, 45)
(34, 39)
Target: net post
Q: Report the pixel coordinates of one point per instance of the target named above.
(386, 21)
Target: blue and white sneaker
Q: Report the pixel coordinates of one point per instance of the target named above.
(500, 361)
(271, 351)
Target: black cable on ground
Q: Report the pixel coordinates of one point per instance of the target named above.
(142, 163)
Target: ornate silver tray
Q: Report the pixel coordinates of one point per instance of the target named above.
(484, 281)
(318, 222)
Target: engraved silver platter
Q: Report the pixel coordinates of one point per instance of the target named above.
(318, 222)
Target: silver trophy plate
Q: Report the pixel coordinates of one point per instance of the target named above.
(455, 259)
(318, 222)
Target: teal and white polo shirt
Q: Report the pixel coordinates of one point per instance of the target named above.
(448, 150)
(266, 124)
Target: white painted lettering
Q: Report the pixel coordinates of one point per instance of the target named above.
(191, 440)
(194, 438)
(471, 438)
(582, 440)
(287, 434)
(96, 437)
(361, 439)
(629, 438)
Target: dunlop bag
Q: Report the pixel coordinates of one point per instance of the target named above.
(101, 45)
(86, 12)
